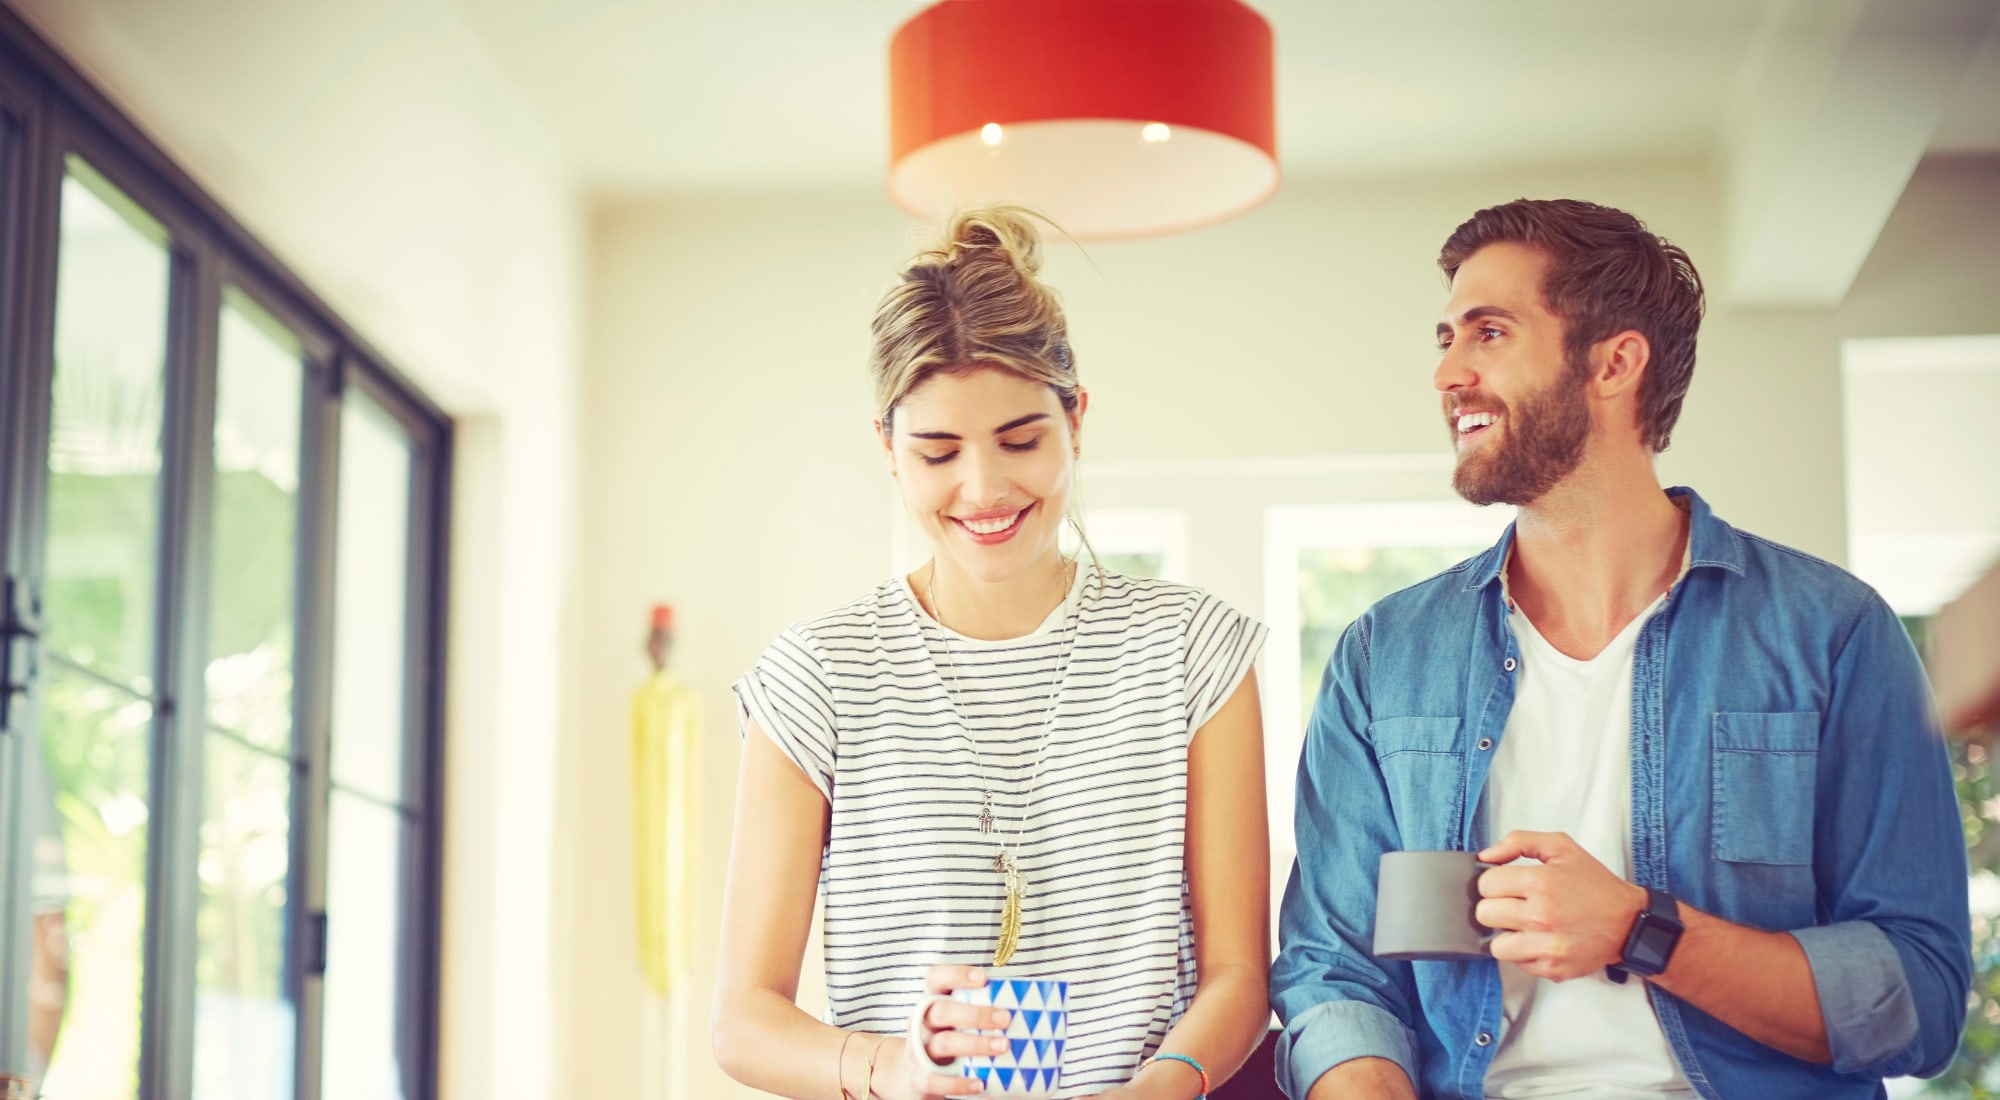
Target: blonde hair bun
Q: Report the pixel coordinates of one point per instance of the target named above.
(972, 300)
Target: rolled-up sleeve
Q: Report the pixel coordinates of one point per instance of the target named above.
(1893, 963)
(1863, 993)
(1336, 1000)
(1333, 1032)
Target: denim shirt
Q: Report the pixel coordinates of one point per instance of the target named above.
(1787, 774)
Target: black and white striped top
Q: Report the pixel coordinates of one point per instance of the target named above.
(858, 699)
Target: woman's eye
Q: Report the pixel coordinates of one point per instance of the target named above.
(938, 460)
(1028, 445)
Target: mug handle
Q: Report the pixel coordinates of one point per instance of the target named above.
(920, 1035)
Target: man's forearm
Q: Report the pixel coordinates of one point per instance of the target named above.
(1759, 983)
(1364, 1079)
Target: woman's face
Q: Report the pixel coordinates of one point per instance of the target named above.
(986, 460)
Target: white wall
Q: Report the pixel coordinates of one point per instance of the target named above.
(728, 467)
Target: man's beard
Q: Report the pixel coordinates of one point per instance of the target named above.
(1546, 433)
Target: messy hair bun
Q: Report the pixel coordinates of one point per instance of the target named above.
(972, 300)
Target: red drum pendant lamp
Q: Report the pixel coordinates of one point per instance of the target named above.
(1115, 118)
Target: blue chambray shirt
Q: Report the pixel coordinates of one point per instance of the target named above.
(1787, 775)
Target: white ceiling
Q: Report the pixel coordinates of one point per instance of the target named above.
(644, 95)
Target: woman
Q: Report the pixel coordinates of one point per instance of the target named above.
(1003, 758)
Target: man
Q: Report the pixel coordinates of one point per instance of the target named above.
(1751, 877)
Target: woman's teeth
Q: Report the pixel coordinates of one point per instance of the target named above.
(991, 526)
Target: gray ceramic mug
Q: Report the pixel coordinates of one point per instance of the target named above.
(1424, 903)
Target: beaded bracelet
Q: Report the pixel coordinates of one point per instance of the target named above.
(1186, 1060)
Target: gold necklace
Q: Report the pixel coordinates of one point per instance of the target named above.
(1007, 863)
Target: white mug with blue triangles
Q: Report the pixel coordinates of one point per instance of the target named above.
(1036, 1030)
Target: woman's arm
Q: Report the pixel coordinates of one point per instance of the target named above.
(759, 1035)
(1229, 885)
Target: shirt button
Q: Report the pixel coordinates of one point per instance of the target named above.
(1485, 743)
(1484, 1038)
(1508, 664)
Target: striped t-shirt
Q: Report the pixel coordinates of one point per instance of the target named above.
(893, 718)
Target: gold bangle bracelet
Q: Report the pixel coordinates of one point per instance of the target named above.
(868, 1082)
(840, 1067)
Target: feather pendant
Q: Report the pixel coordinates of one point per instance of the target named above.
(1010, 917)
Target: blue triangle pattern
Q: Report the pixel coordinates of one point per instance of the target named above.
(1031, 1018)
(1059, 1046)
(1020, 1047)
(1006, 1076)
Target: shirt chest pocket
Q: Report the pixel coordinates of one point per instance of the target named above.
(1764, 770)
(1425, 773)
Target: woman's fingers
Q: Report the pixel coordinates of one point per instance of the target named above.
(950, 979)
(938, 1084)
(942, 1015)
(946, 1045)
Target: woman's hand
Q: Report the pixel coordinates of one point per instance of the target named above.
(947, 1027)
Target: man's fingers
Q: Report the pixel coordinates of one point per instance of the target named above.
(1519, 948)
(1522, 844)
(1506, 914)
(1509, 882)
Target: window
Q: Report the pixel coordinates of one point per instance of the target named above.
(1324, 565)
(220, 517)
(369, 855)
(1138, 542)
(103, 507)
(1923, 522)
(245, 1009)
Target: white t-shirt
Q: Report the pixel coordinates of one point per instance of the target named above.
(1564, 764)
(895, 729)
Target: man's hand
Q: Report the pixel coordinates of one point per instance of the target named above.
(1565, 919)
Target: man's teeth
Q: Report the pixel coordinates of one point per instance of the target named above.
(1469, 421)
(990, 526)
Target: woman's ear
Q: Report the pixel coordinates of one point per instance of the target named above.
(1076, 420)
(882, 437)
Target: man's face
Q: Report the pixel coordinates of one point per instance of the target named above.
(1514, 404)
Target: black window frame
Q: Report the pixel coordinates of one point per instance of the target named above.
(49, 110)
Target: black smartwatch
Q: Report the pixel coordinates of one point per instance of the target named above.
(1655, 933)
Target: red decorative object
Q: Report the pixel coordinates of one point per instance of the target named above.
(1115, 118)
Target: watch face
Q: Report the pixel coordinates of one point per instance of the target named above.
(1648, 950)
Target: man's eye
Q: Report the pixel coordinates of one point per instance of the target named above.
(1490, 333)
